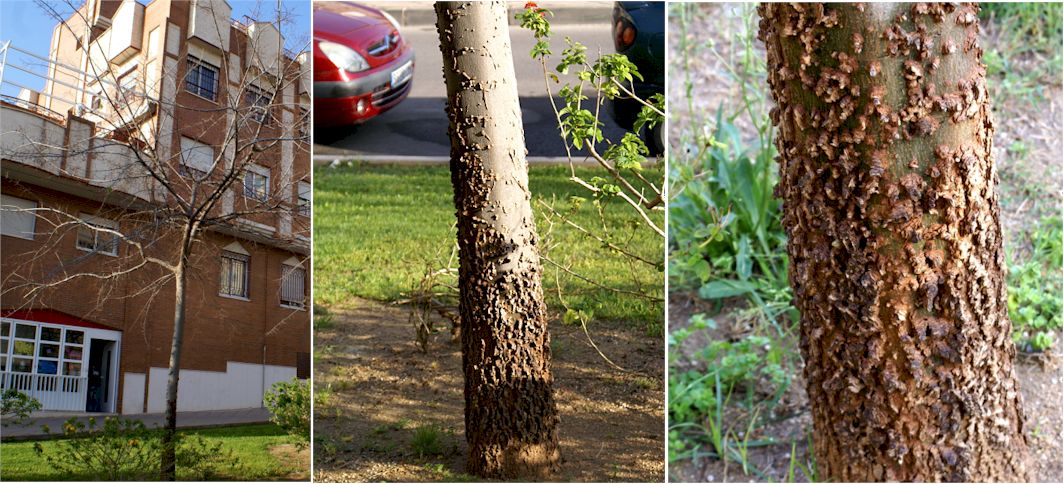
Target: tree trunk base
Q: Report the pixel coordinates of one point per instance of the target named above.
(523, 460)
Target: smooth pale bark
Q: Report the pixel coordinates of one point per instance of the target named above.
(888, 189)
(510, 414)
(168, 468)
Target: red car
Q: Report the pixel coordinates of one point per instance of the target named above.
(362, 65)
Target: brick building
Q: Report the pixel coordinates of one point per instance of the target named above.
(146, 108)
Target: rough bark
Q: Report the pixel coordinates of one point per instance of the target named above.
(510, 414)
(888, 189)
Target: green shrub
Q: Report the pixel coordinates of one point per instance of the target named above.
(200, 460)
(289, 405)
(124, 449)
(16, 407)
(120, 450)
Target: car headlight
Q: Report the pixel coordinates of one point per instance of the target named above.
(394, 22)
(343, 57)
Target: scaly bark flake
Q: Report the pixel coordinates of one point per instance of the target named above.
(888, 188)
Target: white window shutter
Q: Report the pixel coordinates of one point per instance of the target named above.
(196, 155)
(15, 220)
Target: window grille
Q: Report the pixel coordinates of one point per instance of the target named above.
(292, 287)
(234, 276)
(260, 104)
(202, 79)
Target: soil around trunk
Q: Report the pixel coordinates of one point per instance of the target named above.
(387, 412)
(1039, 377)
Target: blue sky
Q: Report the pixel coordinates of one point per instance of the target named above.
(29, 26)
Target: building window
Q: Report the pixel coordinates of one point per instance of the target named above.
(304, 199)
(16, 217)
(292, 284)
(202, 79)
(304, 125)
(43, 350)
(257, 183)
(94, 235)
(259, 103)
(197, 159)
(153, 42)
(234, 280)
(129, 90)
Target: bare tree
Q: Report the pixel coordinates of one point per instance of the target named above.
(164, 195)
(510, 413)
(888, 188)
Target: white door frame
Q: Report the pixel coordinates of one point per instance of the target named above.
(89, 335)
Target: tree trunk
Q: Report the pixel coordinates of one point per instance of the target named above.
(888, 188)
(511, 417)
(168, 471)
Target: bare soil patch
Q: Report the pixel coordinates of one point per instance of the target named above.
(381, 389)
(298, 460)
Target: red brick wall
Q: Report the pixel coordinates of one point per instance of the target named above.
(218, 329)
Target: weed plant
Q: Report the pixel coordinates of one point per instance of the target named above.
(726, 241)
(1034, 287)
(427, 441)
(751, 370)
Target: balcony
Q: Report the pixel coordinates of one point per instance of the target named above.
(304, 72)
(266, 47)
(209, 22)
(59, 143)
(126, 32)
(122, 40)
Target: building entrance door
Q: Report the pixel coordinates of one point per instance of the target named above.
(100, 398)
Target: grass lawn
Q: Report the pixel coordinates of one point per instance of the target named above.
(249, 443)
(379, 229)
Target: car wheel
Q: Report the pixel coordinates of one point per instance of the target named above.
(655, 140)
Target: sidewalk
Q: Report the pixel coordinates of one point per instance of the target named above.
(204, 419)
(410, 13)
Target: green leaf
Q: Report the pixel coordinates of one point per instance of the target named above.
(743, 263)
(540, 49)
(725, 288)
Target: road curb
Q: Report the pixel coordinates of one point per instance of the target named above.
(420, 16)
(354, 159)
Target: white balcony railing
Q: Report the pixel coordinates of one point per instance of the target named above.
(55, 392)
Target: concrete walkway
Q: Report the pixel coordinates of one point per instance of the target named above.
(205, 419)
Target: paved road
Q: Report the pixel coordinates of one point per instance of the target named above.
(418, 125)
(213, 418)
